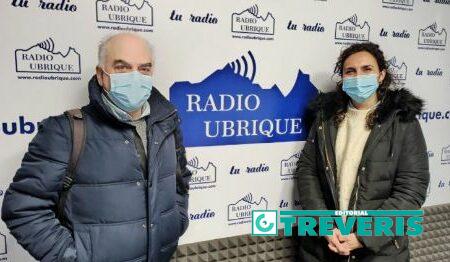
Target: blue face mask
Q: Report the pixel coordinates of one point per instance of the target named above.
(129, 91)
(361, 87)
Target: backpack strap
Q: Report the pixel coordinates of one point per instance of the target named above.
(78, 131)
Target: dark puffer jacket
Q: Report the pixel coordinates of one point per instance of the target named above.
(393, 173)
(114, 212)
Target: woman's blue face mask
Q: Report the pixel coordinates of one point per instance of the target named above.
(360, 87)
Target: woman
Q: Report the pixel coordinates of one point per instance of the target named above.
(365, 151)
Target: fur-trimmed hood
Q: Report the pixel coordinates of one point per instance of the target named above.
(399, 101)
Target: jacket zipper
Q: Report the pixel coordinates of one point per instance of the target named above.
(357, 190)
(363, 169)
(356, 200)
(149, 213)
(150, 137)
(329, 167)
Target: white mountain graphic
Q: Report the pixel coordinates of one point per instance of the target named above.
(113, 11)
(250, 17)
(44, 54)
(399, 72)
(350, 29)
(202, 175)
(3, 247)
(242, 208)
(397, 2)
(432, 36)
(445, 153)
(288, 165)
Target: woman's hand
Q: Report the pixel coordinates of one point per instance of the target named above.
(352, 242)
(337, 244)
(341, 244)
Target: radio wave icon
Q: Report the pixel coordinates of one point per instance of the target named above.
(354, 19)
(248, 198)
(392, 61)
(434, 27)
(48, 45)
(245, 66)
(254, 10)
(193, 162)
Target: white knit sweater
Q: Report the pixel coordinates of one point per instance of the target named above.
(351, 138)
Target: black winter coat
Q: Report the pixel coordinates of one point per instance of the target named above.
(393, 173)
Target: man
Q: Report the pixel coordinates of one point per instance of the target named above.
(128, 201)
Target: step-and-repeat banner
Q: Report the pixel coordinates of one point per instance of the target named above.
(240, 73)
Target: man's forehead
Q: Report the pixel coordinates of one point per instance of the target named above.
(128, 48)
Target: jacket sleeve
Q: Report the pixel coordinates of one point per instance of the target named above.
(183, 176)
(29, 203)
(308, 184)
(411, 180)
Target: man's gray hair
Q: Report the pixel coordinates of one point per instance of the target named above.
(103, 50)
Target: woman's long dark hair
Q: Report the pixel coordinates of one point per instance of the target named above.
(342, 98)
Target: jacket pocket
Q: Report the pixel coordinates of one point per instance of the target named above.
(169, 227)
(382, 151)
(181, 206)
(380, 170)
(396, 246)
(83, 243)
(119, 242)
(167, 251)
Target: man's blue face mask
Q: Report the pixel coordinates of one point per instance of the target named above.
(129, 91)
(361, 87)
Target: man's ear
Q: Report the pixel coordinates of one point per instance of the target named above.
(99, 73)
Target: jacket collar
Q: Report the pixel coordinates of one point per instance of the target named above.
(397, 101)
(375, 134)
